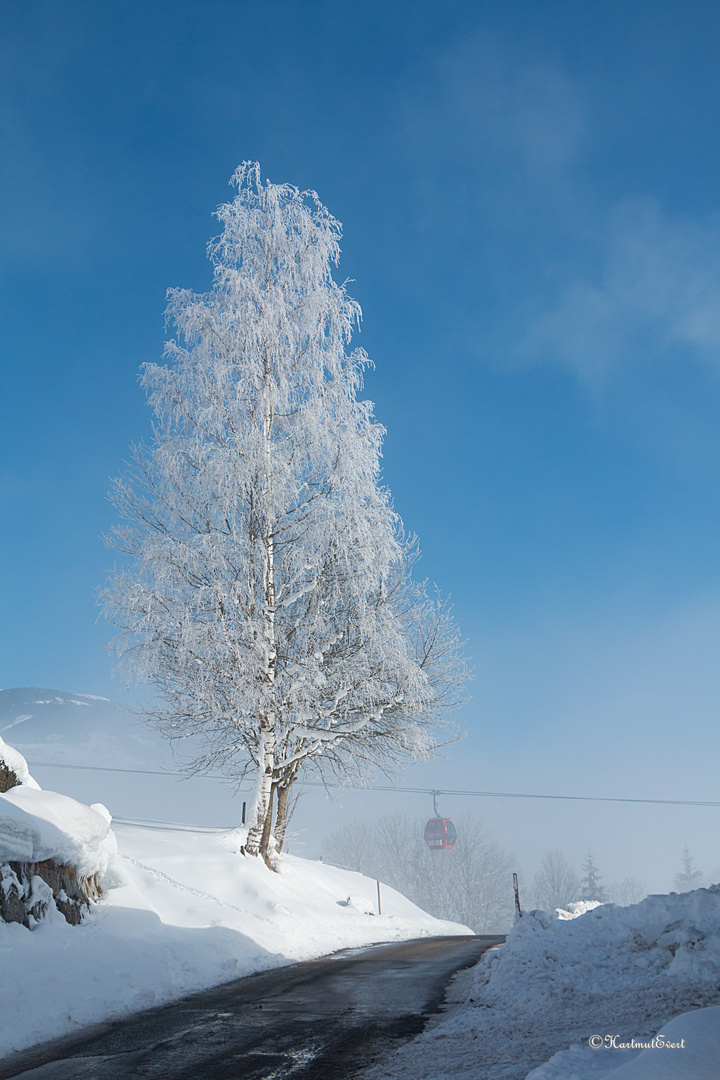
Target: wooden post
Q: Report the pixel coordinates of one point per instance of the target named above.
(243, 816)
(379, 904)
(516, 890)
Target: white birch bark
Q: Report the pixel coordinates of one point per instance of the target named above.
(266, 759)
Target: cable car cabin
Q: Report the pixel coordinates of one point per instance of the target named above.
(440, 834)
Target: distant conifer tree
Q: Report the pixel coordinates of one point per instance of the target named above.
(590, 887)
(689, 878)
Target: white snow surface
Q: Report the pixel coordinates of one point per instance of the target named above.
(36, 825)
(183, 910)
(577, 908)
(624, 973)
(687, 1048)
(15, 761)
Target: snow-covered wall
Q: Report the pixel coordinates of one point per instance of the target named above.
(52, 848)
(39, 825)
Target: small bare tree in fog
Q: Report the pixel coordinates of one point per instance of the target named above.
(352, 848)
(483, 879)
(626, 892)
(470, 884)
(556, 884)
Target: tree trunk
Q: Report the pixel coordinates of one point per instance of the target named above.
(267, 831)
(256, 841)
(283, 785)
(263, 789)
(283, 793)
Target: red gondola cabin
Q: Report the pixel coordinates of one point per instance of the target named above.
(440, 834)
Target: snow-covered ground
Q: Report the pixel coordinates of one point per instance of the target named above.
(531, 1007)
(183, 910)
(186, 911)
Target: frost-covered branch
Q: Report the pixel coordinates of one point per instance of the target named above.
(267, 591)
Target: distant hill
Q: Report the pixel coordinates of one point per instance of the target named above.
(118, 753)
(80, 729)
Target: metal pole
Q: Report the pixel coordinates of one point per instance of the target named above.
(379, 904)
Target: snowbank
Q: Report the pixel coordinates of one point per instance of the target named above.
(687, 1048)
(38, 825)
(186, 911)
(608, 950)
(15, 761)
(618, 972)
(53, 850)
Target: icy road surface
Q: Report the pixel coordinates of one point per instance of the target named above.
(323, 1019)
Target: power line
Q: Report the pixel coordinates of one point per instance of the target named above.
(396, 790)
(108, 768)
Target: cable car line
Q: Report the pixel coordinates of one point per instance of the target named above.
(111, 768)
(388, 787)
(528, 795)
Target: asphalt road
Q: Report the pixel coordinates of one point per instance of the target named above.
(320, 1020)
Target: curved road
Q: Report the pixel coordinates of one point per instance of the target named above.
(322, 1019)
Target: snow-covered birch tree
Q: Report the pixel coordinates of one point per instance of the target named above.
(268, 593)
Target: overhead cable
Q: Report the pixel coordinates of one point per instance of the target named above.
(388, 787)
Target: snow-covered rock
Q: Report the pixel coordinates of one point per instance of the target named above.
(577, 908)
(14, 760)
(53, 850)
(38, 825)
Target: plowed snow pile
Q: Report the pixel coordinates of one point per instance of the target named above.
(616, 972)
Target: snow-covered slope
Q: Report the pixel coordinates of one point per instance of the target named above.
(182, 909)
(620, 973)
(186, 911)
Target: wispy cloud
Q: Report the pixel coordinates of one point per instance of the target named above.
(539, 264)
(655, 291)
(529, 111)
(506, 134)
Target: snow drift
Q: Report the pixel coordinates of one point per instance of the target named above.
(623, 972)
(53, 850)
(39, 825)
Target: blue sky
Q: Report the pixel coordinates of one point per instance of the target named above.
(531, 213)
